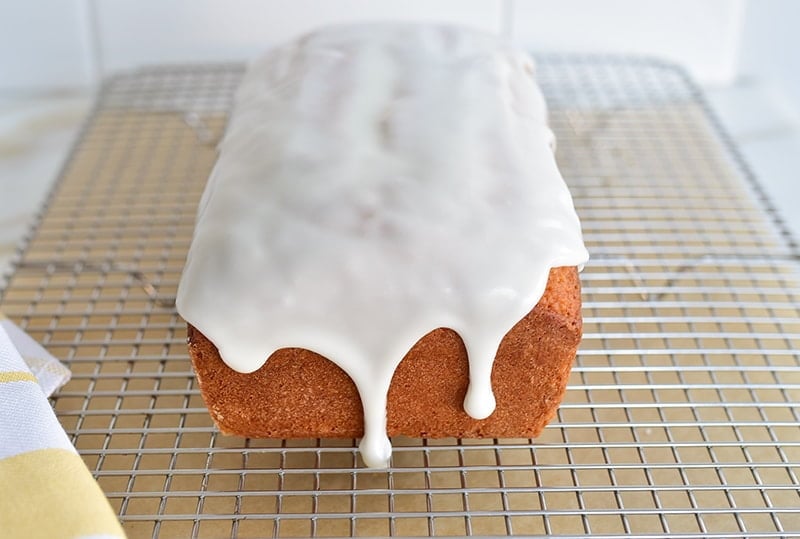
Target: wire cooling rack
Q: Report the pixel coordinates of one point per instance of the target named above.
(682, 415)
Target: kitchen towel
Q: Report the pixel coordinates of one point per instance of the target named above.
(45, 488)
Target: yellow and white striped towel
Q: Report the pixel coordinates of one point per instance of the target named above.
(45, 488)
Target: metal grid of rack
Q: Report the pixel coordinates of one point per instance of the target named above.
(682, 414)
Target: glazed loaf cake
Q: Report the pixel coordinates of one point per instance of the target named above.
(385, 245)
(299, 394)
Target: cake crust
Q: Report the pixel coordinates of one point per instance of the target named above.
(300, 394)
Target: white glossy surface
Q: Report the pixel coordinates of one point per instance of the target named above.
(376, 183)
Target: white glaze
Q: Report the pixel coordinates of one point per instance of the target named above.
(377, 182)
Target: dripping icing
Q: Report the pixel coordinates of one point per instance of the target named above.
(372, 166)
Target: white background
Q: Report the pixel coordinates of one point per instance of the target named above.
(73, 43)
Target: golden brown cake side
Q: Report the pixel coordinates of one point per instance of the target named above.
(299, 394)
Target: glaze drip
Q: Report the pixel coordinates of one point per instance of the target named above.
(376, 182)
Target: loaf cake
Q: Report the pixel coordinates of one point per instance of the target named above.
(385, 245)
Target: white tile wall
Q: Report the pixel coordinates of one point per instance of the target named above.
(769, 51)
(209, 30)
(701, 35)
(71, 43)
(44, 44)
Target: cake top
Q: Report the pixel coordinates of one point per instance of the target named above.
(376, 182)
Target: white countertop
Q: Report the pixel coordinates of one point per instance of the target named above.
(35, 137)
(769, 141)
(37, 133)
